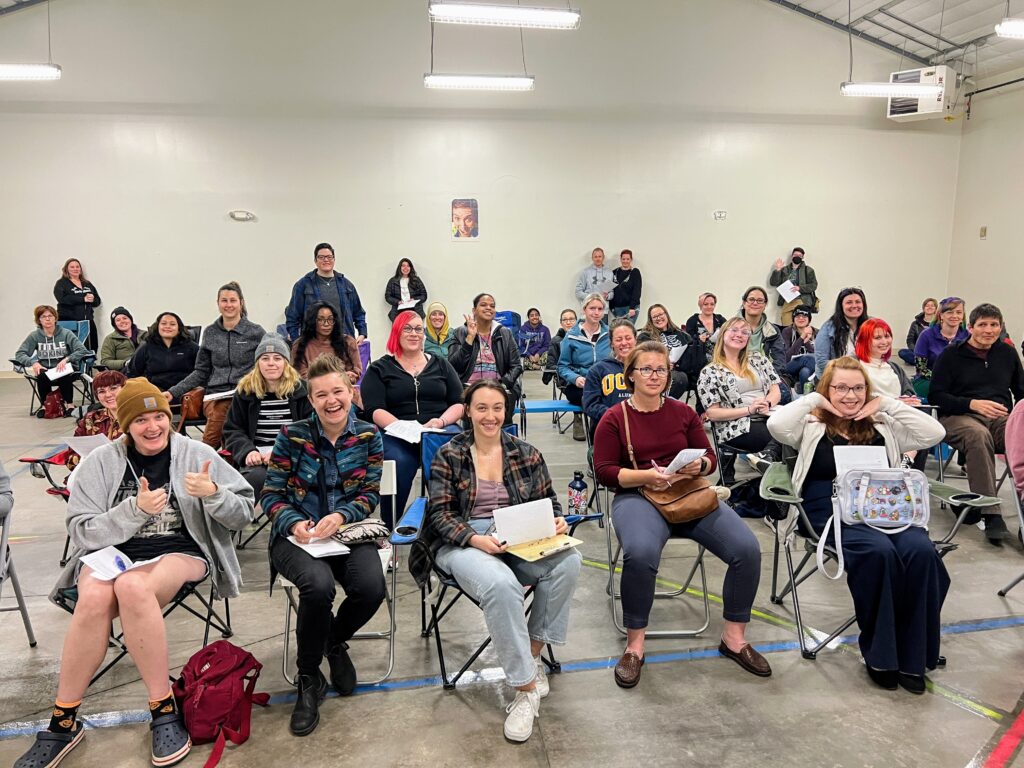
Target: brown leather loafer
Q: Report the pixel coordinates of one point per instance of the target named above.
(627, 671)
(748, 658)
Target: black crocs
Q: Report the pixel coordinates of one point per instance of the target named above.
(50, 748)
(171, 743)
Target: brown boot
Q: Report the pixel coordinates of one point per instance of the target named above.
(578, 432)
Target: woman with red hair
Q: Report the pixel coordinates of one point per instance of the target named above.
(874, 348)
(101, 421)
(407, 384)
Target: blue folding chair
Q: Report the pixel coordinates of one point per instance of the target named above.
(511, 320)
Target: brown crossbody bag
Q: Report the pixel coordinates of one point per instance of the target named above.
(681, 502)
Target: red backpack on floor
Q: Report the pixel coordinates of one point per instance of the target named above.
(215, 695)
(53, 406)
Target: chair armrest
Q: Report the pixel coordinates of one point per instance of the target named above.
(952, 495)
(410, 523)
(777, 485)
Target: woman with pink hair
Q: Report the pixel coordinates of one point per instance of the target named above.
(407, 384)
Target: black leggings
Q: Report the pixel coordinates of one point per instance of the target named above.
(65, 384)
(758, 439)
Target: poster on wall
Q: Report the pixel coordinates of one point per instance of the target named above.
(465, 219)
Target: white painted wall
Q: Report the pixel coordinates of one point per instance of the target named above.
(733, 105)
(990, 190)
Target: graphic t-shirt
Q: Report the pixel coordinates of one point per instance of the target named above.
(166, 532)
(485, 367)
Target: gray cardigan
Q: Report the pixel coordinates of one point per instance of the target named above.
(224, 357)
(94, 522)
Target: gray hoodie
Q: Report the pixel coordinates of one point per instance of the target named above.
(224, 357)
(590, 278)
(95, 522)
(50, 350)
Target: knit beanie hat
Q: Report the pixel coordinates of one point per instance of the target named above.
(120, 311)
(803, 309)
(137, 397)
(272, 342)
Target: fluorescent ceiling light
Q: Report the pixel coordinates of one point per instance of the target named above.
(893, 90)
(1011, 28)
(29, 72)
(480, 82)
(504, 15)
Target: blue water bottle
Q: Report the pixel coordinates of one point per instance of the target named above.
(578, 492)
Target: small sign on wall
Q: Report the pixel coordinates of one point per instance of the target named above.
(465, 219)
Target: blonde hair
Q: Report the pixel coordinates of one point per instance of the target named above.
(593, 297)
(254, 383)
(718, 355)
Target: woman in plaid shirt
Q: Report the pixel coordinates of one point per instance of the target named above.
(479, 471)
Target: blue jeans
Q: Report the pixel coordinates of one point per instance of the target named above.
(620, 311)
(907, 356)
(801, 368)
(496, 582)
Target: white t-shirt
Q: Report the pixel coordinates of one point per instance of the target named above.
(404, 283)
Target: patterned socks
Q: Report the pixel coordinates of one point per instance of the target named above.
(164, 706)
(63, 718)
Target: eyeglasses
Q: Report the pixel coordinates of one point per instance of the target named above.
(412, 330)
(842, 389)
(739, 332)
(659, 317)
(658, 373)
(325, 258)
(325, 321)
(756, 301)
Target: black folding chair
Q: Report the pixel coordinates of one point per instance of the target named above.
(205, 612)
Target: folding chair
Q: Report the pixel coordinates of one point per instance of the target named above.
(7, 572)
(46, 464)
(1020, 534)
(777, 486)
(556, 407)
(67, 598)
(82, 385)
(726, 454)
(388, 487)
(615, 594)
(84, 382)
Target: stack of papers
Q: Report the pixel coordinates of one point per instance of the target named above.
(410, 431)
(109, 563)
(528, 530)
(321, 547)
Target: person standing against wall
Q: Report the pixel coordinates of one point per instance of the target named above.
(596, 278)
(324, 284)
(625, 301)
(802, 277)
(77, 298)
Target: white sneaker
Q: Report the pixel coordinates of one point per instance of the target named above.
(543, 689)
(521, 714)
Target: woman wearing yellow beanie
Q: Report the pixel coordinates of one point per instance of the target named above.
(162, 499)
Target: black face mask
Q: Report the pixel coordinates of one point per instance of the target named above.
(797, 260)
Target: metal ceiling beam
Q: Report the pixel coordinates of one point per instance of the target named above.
(922, 30)
(883, 7)
(19, 5)
(979, 41)
(904, 35)
(835, 24)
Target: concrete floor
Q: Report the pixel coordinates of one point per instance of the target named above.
(691, 706)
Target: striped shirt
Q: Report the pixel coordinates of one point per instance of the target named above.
(274, 414)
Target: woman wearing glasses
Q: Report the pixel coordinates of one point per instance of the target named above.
(898, 582)
(407, 384)
(659, 427)
(765, 335)
(322, 335)
(738, 389)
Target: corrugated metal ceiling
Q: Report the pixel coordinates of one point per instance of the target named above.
(958, 32)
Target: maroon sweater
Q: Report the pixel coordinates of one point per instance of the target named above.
(657, 436)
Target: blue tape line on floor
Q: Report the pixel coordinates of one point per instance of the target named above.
(112, 719)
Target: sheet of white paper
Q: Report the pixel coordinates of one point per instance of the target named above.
(788, 291)
(683, 458)
(52, 373)
(218, 396)
(859, 457)
(605, 287)
(408, 430)
(524, 522)
(407, 304)
(86, 444)
(321, 547)
(675, 353)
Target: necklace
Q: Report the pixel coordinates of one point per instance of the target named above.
(633, 405)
